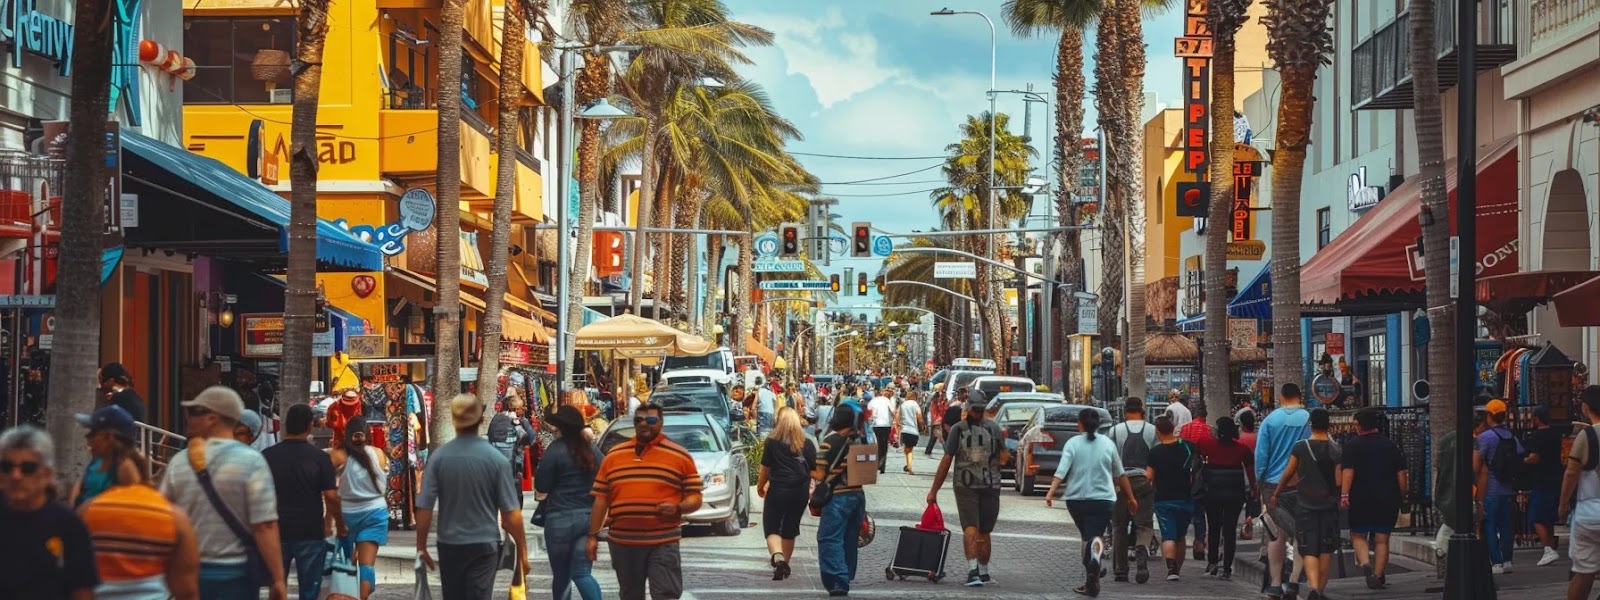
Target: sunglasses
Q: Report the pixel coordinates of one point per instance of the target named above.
(27, 468)
(646, 420)
(197, 411)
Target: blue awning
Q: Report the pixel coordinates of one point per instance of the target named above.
(1255, 300)
(334, 245)
(1194, 324)
(591, 315)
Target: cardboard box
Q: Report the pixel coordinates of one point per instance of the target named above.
(861, 467)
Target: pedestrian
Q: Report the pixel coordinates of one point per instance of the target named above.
(937, 403)
(644, 488)
(144, 547)
(511, 433)
(909, 419)
(47, 551)
(1497, 462)
(841, 517)
(115, 378)
(793, 399)
(1372, 488)
(808, 391)
(766, 405)
(1545, 469)
(249, 428)
(234, 507)
(824, 413)
(579, 400)
(785, 483)
(1171, 471)
(465, 482)
(1230, 478)
(1252, 500)
(974, 453)
(363, 476)
(736, 396)
(565, 478)
(1133, 439)
(339, 414)
(1092, 470)
(306, 483)
(880, 410)
(633, 402)
(1580, 499)
(1283, 428)
(1178, 407)
(1444, 485)
(1315, 461)
(1196, 431)
(113, 456)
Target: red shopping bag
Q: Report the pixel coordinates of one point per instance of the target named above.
(932, 519)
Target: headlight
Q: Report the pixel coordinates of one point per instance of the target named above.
(716, 480)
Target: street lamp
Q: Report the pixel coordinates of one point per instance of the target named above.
(993, 46)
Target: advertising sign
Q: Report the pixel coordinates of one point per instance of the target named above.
(1246, 250)
(803, 285)
(365, 346)
(55, 145)
(1363, 196)
(1194, 198)
(955, 270)
(1242, 332)
(1325, 389)
(779, 266)
(1246, 169)
(262, 335)
(1195, 50)
(1335, 344)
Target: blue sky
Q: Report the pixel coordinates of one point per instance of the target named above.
(884, 78)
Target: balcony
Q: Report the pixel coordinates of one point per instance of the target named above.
(1381, 68)
(1552, 21)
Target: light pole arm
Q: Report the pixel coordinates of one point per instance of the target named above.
(932, 286)
(993, 263)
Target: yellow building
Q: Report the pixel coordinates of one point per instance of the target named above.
(377, 139)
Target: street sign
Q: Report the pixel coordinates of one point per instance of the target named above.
(28, 301)
(1088, 317)
(955, 270)
(767, 245)
(882, 246)
(1326, 389)
(779, 266)
(1246, 250)
(803, 285)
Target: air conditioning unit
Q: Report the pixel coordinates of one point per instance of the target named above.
(281, 96)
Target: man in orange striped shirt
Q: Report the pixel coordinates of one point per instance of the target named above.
(644, 488)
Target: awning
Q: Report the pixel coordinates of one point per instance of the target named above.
(513, 325)
(754, 346)
(1518, 293)
(225, 186)
(430, 285)
(1194, 324)
(1579, 305)
(1254, 301)
(637, 336)
(1374, 267)
(517, 327)
(591, 315)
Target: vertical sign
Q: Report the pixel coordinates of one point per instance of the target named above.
(1246, 168)
(1195, 48)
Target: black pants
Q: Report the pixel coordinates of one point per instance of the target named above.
(466, 571)
(660, 567)
(1092, 518)
(1222, 525)
(784, 509)
(934, 439)
(882, 433)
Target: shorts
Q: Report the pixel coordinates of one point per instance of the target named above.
(782, 512)
(1542, 507)
(1174, 516)
(908, 440)
(1585, 549)
(1317, 531)
(368, 526)
(1282, 517)
(978, 507)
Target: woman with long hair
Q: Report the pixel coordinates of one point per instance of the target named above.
(1230, 475)
(579, 401)
(115, 459)
(785, 483)
(363, 485)
(1091, 468)
(562, 484)
(846, 508)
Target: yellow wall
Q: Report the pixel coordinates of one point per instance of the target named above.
(1163, 168)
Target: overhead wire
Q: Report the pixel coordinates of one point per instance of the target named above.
(860, 181)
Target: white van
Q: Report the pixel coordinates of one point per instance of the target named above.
(715, 367)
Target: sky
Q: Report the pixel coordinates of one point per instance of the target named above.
(883, 78)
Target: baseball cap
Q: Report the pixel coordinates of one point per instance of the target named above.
(218, 399)
(1495, 407)
(110, 418)
(350, 397)
(251, 420)
(465, 411)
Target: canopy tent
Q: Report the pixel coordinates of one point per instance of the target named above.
(760, 350)
(1579, 305)
(637, 336)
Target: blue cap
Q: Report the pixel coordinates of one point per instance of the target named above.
(112, 418)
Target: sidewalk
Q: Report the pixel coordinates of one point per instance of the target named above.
(1412, 573)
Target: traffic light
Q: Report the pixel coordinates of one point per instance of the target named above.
(607, 253)
(833, 282)
(861, 284)
(883, 284)
(861, 241)
(789, 240)
(849, 274)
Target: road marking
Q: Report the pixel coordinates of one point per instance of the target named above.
(1066, 537)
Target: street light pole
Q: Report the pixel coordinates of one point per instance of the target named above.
(993, 51)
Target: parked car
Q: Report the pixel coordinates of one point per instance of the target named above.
(721, 463)
(1013, 415)
(1041, 442)
(708, 398)
(994, 385)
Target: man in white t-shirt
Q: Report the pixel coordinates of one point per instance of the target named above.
(1179, 411)
(881, 411)
(1581, 482)
(908, 419)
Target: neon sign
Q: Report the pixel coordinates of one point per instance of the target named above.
(124, 63)
(26, 29)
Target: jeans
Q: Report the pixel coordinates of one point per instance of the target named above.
(658, 567)
(1199, 522)
(466, 571)
(1140, 523)
(836, 539)
(882, 433)
(564, 535)
(308, 557)
(1092, 517)
(226, 582)
(1497, 527)
(1222, 518)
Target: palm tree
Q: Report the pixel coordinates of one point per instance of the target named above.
(1299, 41)
(447, 224)
(1226, 17)
(1435, 201)
(1111, 97)
(77, 352)
(505, 197)
(1130, 169)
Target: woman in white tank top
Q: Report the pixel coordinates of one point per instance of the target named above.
(363, 474)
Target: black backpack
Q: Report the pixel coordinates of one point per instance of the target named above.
(1506, 462)
(1135, 446)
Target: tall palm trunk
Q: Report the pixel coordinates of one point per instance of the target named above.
(1110, 102)
(1298, 42)
(713, 281)
(1429, 121)
(746, 288)
(687, 214)
(1130, 13)
(1227, 16)
(77, 349)
(641, 217)
(662, 286)
(505, 197)
(447, 224)
(593, 84)
(300, 289)
(1069, 82)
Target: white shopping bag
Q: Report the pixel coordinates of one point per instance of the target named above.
(422, 591)
(341, 579)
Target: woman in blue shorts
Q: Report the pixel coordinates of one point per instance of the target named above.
(363, 484)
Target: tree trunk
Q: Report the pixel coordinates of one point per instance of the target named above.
(1226, 18)
(1429, 121)
(713, 282)
(641, 217)
(593, 84)
(1133, 61)
(1069, 82)
(746, 287)
(683, 217)
(1110, 102)
(505, 197)
(447, 224)
(662, 286)
(77, 346)
(300, 289)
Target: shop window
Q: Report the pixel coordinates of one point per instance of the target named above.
(1377, 374)
(1324, 227)
(224, 50)
(408, 75)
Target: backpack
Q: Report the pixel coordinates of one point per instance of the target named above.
(1506, 463)
(504, 435)
(1136, 449)
(1591, 461)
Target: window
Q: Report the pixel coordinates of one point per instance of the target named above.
(1195, 293)
(1324, 227)
(223, 50)
(1377, 376)
(409, 60)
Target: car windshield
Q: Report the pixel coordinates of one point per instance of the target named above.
(963, 379)
(710, 361)
(706, 399)
(1018, 411)
(694, 438)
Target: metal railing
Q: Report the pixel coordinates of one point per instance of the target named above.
(1551, 20)
(22, 177)
(159, 446)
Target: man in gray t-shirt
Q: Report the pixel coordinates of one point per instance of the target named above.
(973, 450)
(466, 479)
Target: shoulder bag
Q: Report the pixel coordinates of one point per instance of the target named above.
(255, 566)
(821, 494)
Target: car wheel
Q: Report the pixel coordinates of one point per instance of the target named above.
(1027, 486)
(743, 509)
(731, 526)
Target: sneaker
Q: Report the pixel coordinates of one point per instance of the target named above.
(1141, 557)
(1199, 552)
(1316, 595)
(1120, 579)
(987, 580)
(1497, 569)
(1550, 556)
(1172, 575)
(838, 593)
(1212, 568)
(1275, 591)
(973, 580)
(1172, 570)
(1226, 574)
(1506, 566)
